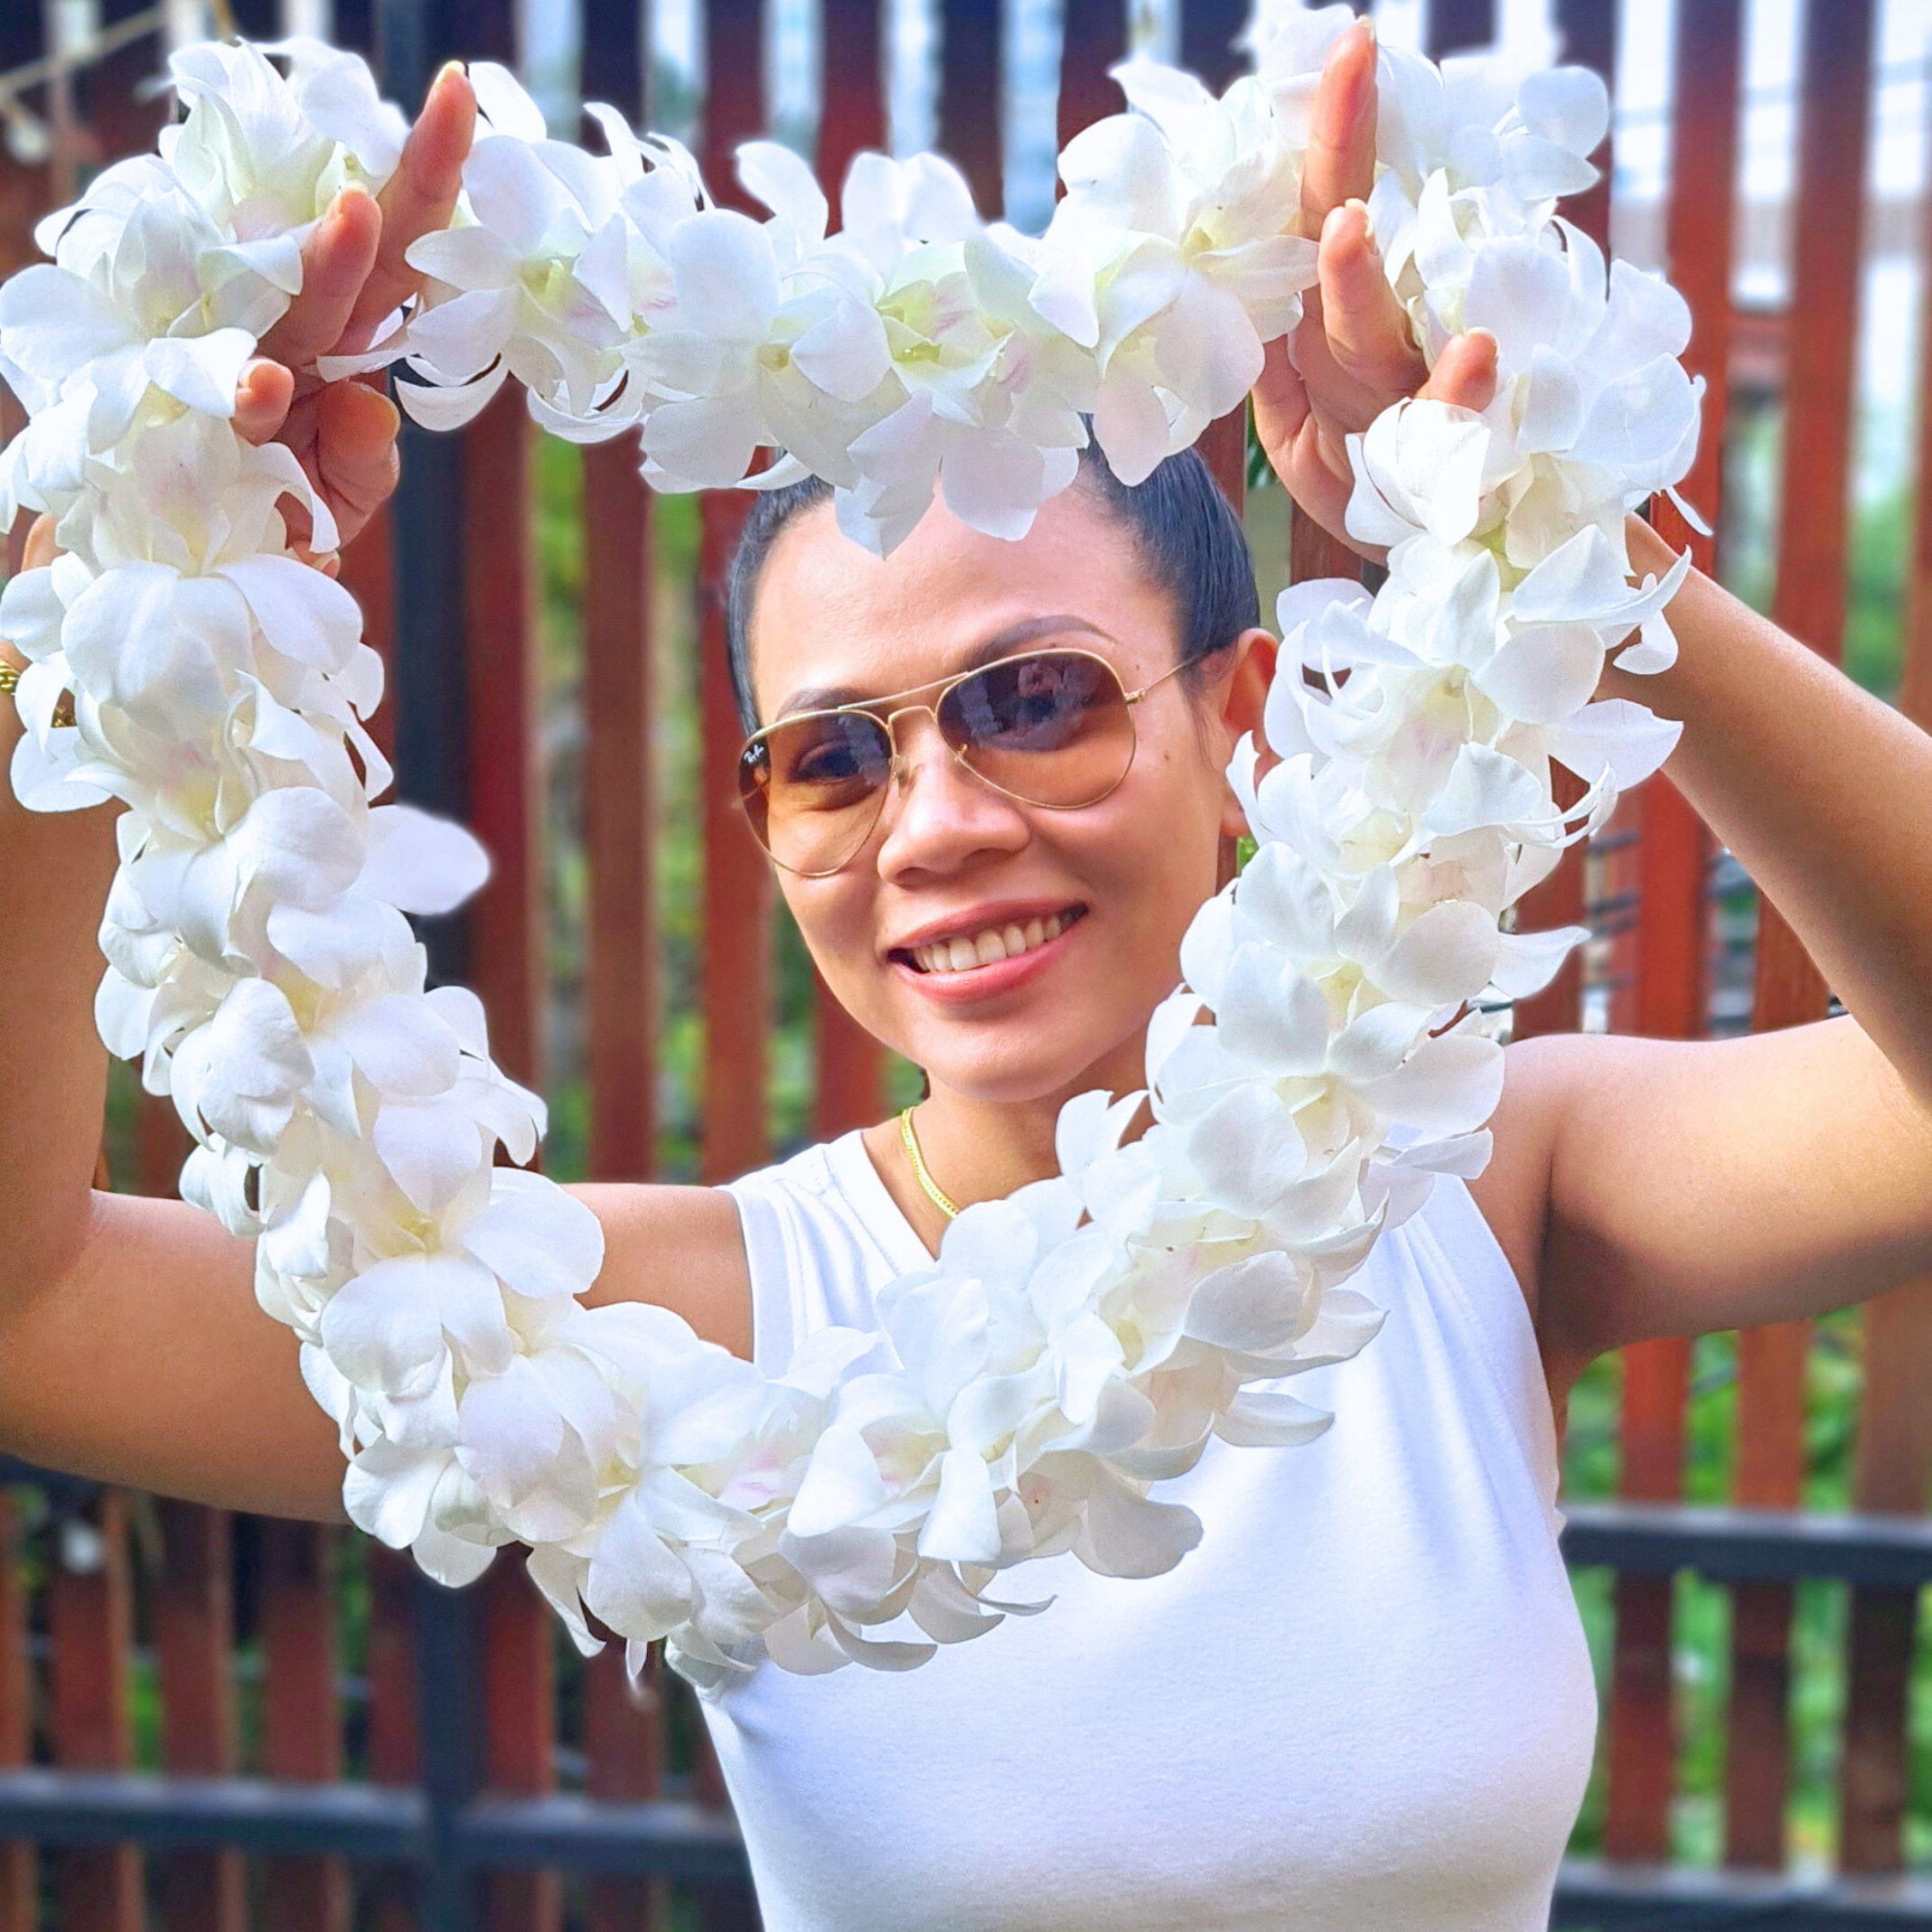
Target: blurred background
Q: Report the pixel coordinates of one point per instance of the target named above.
(1747, 1516)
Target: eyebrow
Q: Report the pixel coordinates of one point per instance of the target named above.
(1001, 644)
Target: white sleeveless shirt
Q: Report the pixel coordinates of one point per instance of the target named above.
(1363, 1704)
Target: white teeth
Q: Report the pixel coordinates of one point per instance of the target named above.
(989, 947)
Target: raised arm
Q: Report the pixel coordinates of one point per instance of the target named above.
(131, 1348)
(1705, 1185)
(1645, 1187)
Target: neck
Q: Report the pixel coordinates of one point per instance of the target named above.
(980, 1149)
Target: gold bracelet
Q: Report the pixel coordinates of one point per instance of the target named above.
(10, 675)
(934, 1192)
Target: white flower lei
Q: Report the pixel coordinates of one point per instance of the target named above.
(1082, 1340)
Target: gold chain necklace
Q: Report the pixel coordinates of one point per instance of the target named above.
(932, 1191)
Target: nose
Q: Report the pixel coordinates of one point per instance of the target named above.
(940, 815)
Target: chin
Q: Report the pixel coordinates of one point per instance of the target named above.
(1022, 1064)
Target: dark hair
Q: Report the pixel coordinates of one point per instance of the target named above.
(1189, 541)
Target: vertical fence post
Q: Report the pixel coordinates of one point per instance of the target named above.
(623, 1738)
(1672, 870)
(19, 1866)
(450, 1747)
(1209, 28)
(195, 1632)
(1809, 603)
(1455, 26)
(301, 1722)
(519, 1707)
(1092, 39)
(389, 1665)
(737, 883)
(623, 1742)
(972, 117)
(1894, 1452)
(90, 1607)
(848, 1082)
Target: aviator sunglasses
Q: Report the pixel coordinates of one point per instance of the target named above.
(1053, 728)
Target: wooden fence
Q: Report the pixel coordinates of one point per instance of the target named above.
(446, 579)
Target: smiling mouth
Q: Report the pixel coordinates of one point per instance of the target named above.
(988, 947)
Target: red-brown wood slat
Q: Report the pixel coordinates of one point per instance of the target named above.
(848, 1070)
(972, 123)
(852, 108)
(506, 962)
(737, 883)
(1668, 992)
(1895, 1425)
(619, 708)
(505, 959)
(1591, 26)
(621, 975)
(1894, 1463)
(19, 1866)
(193, 1619)
(519, 1741)
(623, 1738)
(301, 1722)
(1809, 602)
(90, 1612)
(1092, 39)
(389, 1667)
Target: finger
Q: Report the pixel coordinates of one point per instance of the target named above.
(1465, 372)
(419, 199)
(1367, 329)
(1281, 400)
(1340, 165)
(261, 399)
(335, 263)
(356, 451)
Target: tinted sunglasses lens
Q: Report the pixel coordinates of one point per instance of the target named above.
(812, 787)
(1053, 728)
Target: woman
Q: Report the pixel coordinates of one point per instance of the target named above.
(1364, 1700)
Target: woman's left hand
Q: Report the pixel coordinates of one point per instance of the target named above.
(1353, 354)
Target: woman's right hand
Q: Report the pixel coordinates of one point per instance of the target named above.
(354, 273)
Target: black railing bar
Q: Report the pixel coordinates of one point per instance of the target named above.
(1629, 1898)
(680, 1840)
(1749, 1545)
(372, 1823)
(380, 1823)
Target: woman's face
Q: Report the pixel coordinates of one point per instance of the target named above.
(952, 859)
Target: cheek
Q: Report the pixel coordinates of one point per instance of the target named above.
(837, 920)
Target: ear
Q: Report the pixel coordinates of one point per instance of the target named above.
(1243, 695)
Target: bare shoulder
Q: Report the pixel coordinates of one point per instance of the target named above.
(680, 1247)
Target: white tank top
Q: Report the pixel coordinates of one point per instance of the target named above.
(1363, 1704)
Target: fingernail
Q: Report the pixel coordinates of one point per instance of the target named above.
(445, 70)
(1487, 335)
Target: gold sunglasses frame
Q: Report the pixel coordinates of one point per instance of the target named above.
(942, 687)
